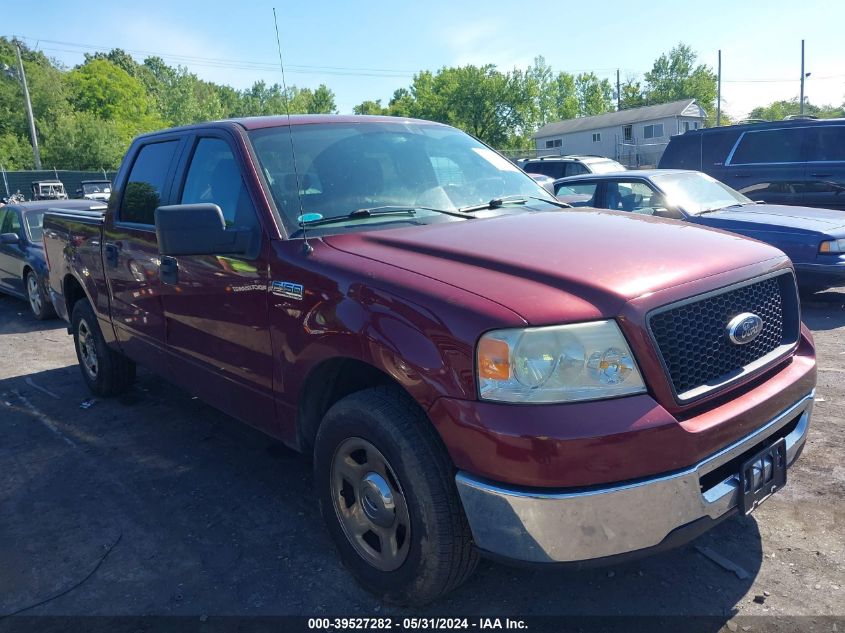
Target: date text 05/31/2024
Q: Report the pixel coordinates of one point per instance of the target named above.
(436, 624)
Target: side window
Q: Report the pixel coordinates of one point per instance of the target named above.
(3, 213)
(576, 169)
(11, 223)
(581, 194)
(769, 146)
(630, 196)
(215, 178)
(826, 143)
(146, 180)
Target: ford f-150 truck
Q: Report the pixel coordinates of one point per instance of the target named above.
(474, 369)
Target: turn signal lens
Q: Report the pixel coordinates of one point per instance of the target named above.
(494, 359)
(832, 246)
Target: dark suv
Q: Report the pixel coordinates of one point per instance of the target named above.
(563, 166)
(799, 162)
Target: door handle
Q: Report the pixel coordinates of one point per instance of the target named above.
(741, 175)
(112, 253)
(168, 270)
(820, 175)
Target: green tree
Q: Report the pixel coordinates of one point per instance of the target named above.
(15, 152)
(49, 99)
(111, 94)
(322, 101)
(781, 109)
(548, 97)
(370, 107)
(631, 94)
(594, 95)
(81, 140)
(676, 76)
(401, 104)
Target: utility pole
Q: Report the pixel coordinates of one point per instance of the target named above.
(802, 77)
(36, 154)
(719, 93)
(618, 92)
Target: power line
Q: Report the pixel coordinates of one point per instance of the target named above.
(242, 64)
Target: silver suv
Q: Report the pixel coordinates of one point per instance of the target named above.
(562, 166)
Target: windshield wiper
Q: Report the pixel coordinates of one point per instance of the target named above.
(730, 206)
(371, 212)
(497, 203)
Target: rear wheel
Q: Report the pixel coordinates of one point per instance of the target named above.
(387, 493)
(39, 304)
(105, 371)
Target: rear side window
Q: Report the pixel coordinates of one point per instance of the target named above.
(826, 143)
(215, 178)
(576, 169)
(683, 152)
(146, 181)
(715, 147)
(769, 146)
(553, 169)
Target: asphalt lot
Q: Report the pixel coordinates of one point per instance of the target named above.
(200, 515)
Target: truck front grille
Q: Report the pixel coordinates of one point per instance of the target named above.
(692, 339)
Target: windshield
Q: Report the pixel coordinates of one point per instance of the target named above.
(96, 187)
(696, 193)
(34, 221)
(344, 167)
(605, 166)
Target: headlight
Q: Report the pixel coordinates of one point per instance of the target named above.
(832, 246)
(562, 363)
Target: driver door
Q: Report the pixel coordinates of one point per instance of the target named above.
(216, 306)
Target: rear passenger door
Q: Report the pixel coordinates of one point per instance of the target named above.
(772, 158)
(130, 252)
(216, 307)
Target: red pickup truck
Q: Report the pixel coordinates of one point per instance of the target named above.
(474, 369)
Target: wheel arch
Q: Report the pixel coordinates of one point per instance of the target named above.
(330, 381)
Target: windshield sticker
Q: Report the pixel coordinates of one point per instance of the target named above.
(499, 162)
(287, 289)
(309, 217)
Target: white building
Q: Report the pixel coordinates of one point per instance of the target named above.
(634, 137)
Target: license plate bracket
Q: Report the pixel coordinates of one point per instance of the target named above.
(762, 475)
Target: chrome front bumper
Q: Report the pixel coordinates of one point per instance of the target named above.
(541, 527)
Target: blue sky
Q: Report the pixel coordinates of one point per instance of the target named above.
(365, 50)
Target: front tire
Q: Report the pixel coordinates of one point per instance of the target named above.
(39, 303)
(387, 493)
(106, 372)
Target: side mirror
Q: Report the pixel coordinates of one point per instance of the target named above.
(197, 229)
(10, 238)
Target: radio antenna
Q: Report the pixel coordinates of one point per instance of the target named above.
(307, 249)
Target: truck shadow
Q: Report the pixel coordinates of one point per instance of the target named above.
(15, 318)
(824, 310)
(217, 518)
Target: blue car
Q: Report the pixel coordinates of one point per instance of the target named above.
(23, 267)
(813, 238)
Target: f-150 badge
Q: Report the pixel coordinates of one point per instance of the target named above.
(287, 289)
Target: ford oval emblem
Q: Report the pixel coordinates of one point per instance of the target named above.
(744, 328)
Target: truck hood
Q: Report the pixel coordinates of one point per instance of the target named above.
(776, 217)
(583, 264)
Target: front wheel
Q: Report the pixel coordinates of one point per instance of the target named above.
(387, 493)
(105, 371)
(39, 304)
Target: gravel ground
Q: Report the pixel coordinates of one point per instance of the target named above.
(155, 504)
